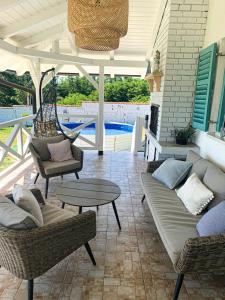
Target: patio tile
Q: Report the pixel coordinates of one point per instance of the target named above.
(131, 264)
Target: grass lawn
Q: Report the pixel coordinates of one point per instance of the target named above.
(4, 134)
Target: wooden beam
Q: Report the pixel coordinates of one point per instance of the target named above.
(89, 78)
(52, 33)
(33, 20)
(7, 4)
(57, 58)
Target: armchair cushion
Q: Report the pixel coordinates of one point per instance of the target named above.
(41, 147)
(52, 167)
(52, 214)
(12, 216)
(27, 201)
(60, 151)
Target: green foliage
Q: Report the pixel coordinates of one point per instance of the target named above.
(73, 99)
(69, 85)
(140, 99)
(73, 90)
(10, 96)
(126, 90)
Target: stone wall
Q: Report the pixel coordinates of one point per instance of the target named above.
(180, 39)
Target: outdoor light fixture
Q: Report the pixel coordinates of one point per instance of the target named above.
(98, 24)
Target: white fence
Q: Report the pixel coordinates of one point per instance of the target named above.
(15, 145)
(83, 141)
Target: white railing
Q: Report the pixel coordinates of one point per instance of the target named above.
(85, 142)
(138, 137)
(14, 146)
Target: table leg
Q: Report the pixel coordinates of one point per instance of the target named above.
(80, 209)
(116, 214)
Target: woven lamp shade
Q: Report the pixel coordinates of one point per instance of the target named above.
(98, 24)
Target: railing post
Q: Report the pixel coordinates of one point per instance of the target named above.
(20, 141)
(137, 135)
(100, 137)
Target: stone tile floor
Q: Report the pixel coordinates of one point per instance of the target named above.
(131, 264)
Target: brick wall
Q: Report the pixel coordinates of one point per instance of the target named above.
(179, 40)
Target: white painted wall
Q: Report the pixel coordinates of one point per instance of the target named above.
(113, 112)
(211, 147)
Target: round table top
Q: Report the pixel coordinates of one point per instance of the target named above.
(88, 192)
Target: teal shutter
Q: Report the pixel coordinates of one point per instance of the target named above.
(204, 87)
(221, 113)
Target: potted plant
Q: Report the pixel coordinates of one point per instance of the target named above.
(183, 135)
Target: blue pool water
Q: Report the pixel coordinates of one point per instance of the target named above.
(110, 128)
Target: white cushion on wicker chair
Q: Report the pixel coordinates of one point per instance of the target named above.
(60, 167)
(26, 200)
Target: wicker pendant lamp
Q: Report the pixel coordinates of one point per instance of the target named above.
(98, 24)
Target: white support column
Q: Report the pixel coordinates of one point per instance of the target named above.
(101, 111)
(35, 72)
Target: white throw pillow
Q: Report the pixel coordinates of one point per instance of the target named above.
(194, 194)
(60, 151)
(26, 200)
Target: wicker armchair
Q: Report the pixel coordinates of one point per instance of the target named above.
(49, 169)
(28, 254)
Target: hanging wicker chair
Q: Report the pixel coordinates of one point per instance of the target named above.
(98, 24)
(46, 122)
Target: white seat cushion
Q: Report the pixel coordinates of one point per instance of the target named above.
(173, 221)
(54, 167)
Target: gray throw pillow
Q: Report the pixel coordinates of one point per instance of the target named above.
(41, 145)
(214, 179)
(172, 172)
(212, 222)
(14, 217)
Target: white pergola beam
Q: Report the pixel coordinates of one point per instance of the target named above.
(6, 4)
(33, 20)
(53, 33)
(89, 78)
(57, 58)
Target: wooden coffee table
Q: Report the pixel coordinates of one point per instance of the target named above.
(89, 192)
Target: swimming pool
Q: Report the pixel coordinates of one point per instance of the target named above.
(110, 128)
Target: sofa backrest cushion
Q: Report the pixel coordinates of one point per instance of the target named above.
(40, 145)
(14, 217)
(193, 156)
(214, 179)
(212, 222)
(199, 166)
(172, 172)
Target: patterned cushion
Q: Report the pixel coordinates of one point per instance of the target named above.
(195, 195)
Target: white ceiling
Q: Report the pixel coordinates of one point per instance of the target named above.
(42, 25)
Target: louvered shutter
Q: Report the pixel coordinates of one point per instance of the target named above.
(204, 87)
(221, 113)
